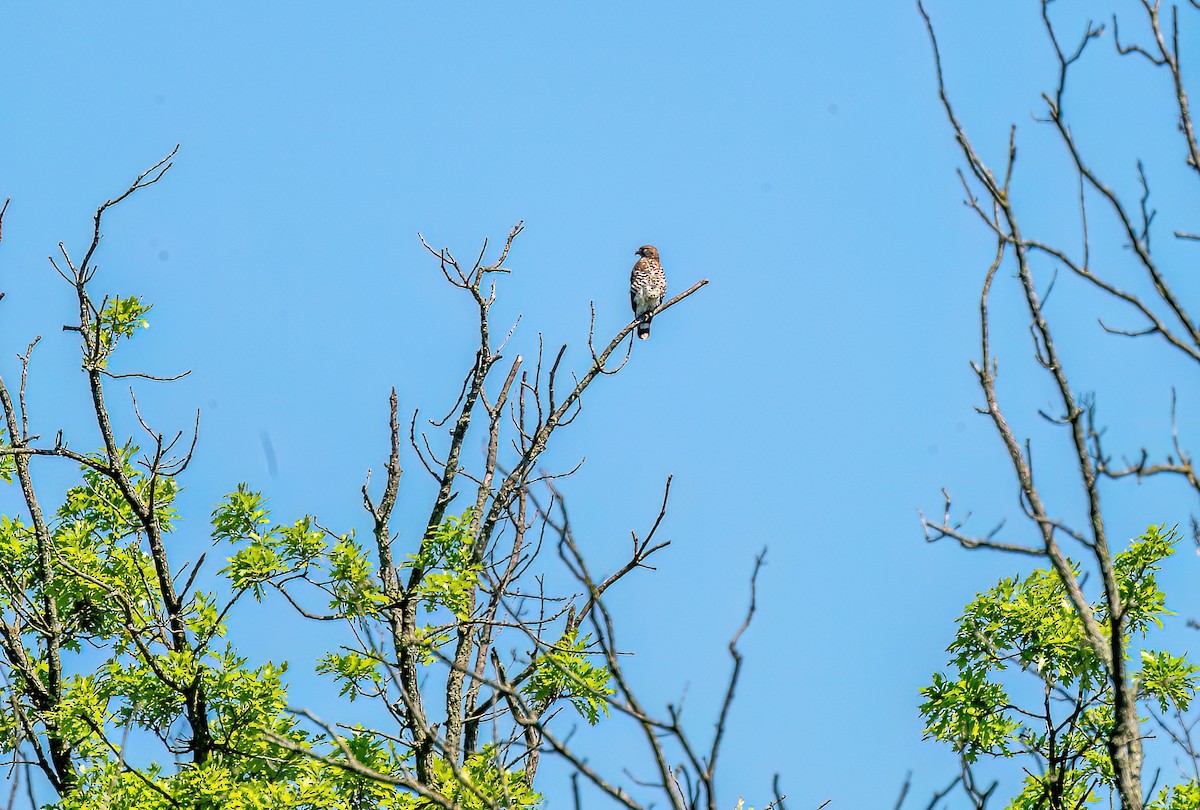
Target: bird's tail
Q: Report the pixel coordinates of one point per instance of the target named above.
(644, 329)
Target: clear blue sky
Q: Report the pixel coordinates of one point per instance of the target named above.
(811, 399)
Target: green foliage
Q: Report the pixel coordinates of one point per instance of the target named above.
(485, 784)
(17, 550)
(8, 463)
(1180, 797)
(1168, 679)
(564, 671)
(352, 670)
(970, 712)
(450, 570)
(230, 784)
(448, 546)
(119, 320)
(279, 780)
(240, 515)
(106, 588)
(246, 769)
(429, 640)
(351, 582)
(103, 585)
(1142, 600)
(273, 554)
(98, 573)
(1055, 788)
(98, 505)
(1031, 624)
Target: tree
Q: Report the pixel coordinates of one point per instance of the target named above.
(1030, 624)
(1077, 627)
(122, 690)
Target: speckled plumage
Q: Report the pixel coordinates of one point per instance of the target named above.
(647, 287)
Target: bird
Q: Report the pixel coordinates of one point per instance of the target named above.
(647, 287)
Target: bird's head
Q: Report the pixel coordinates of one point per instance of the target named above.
(647, 251)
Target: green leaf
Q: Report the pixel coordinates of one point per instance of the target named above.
(238, 517)
(119, 320)
(1169, 680)
(351, 670)
(565, 671)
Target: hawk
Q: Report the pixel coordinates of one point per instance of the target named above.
(647, 287)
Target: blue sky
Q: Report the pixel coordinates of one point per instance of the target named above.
(810, 399)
